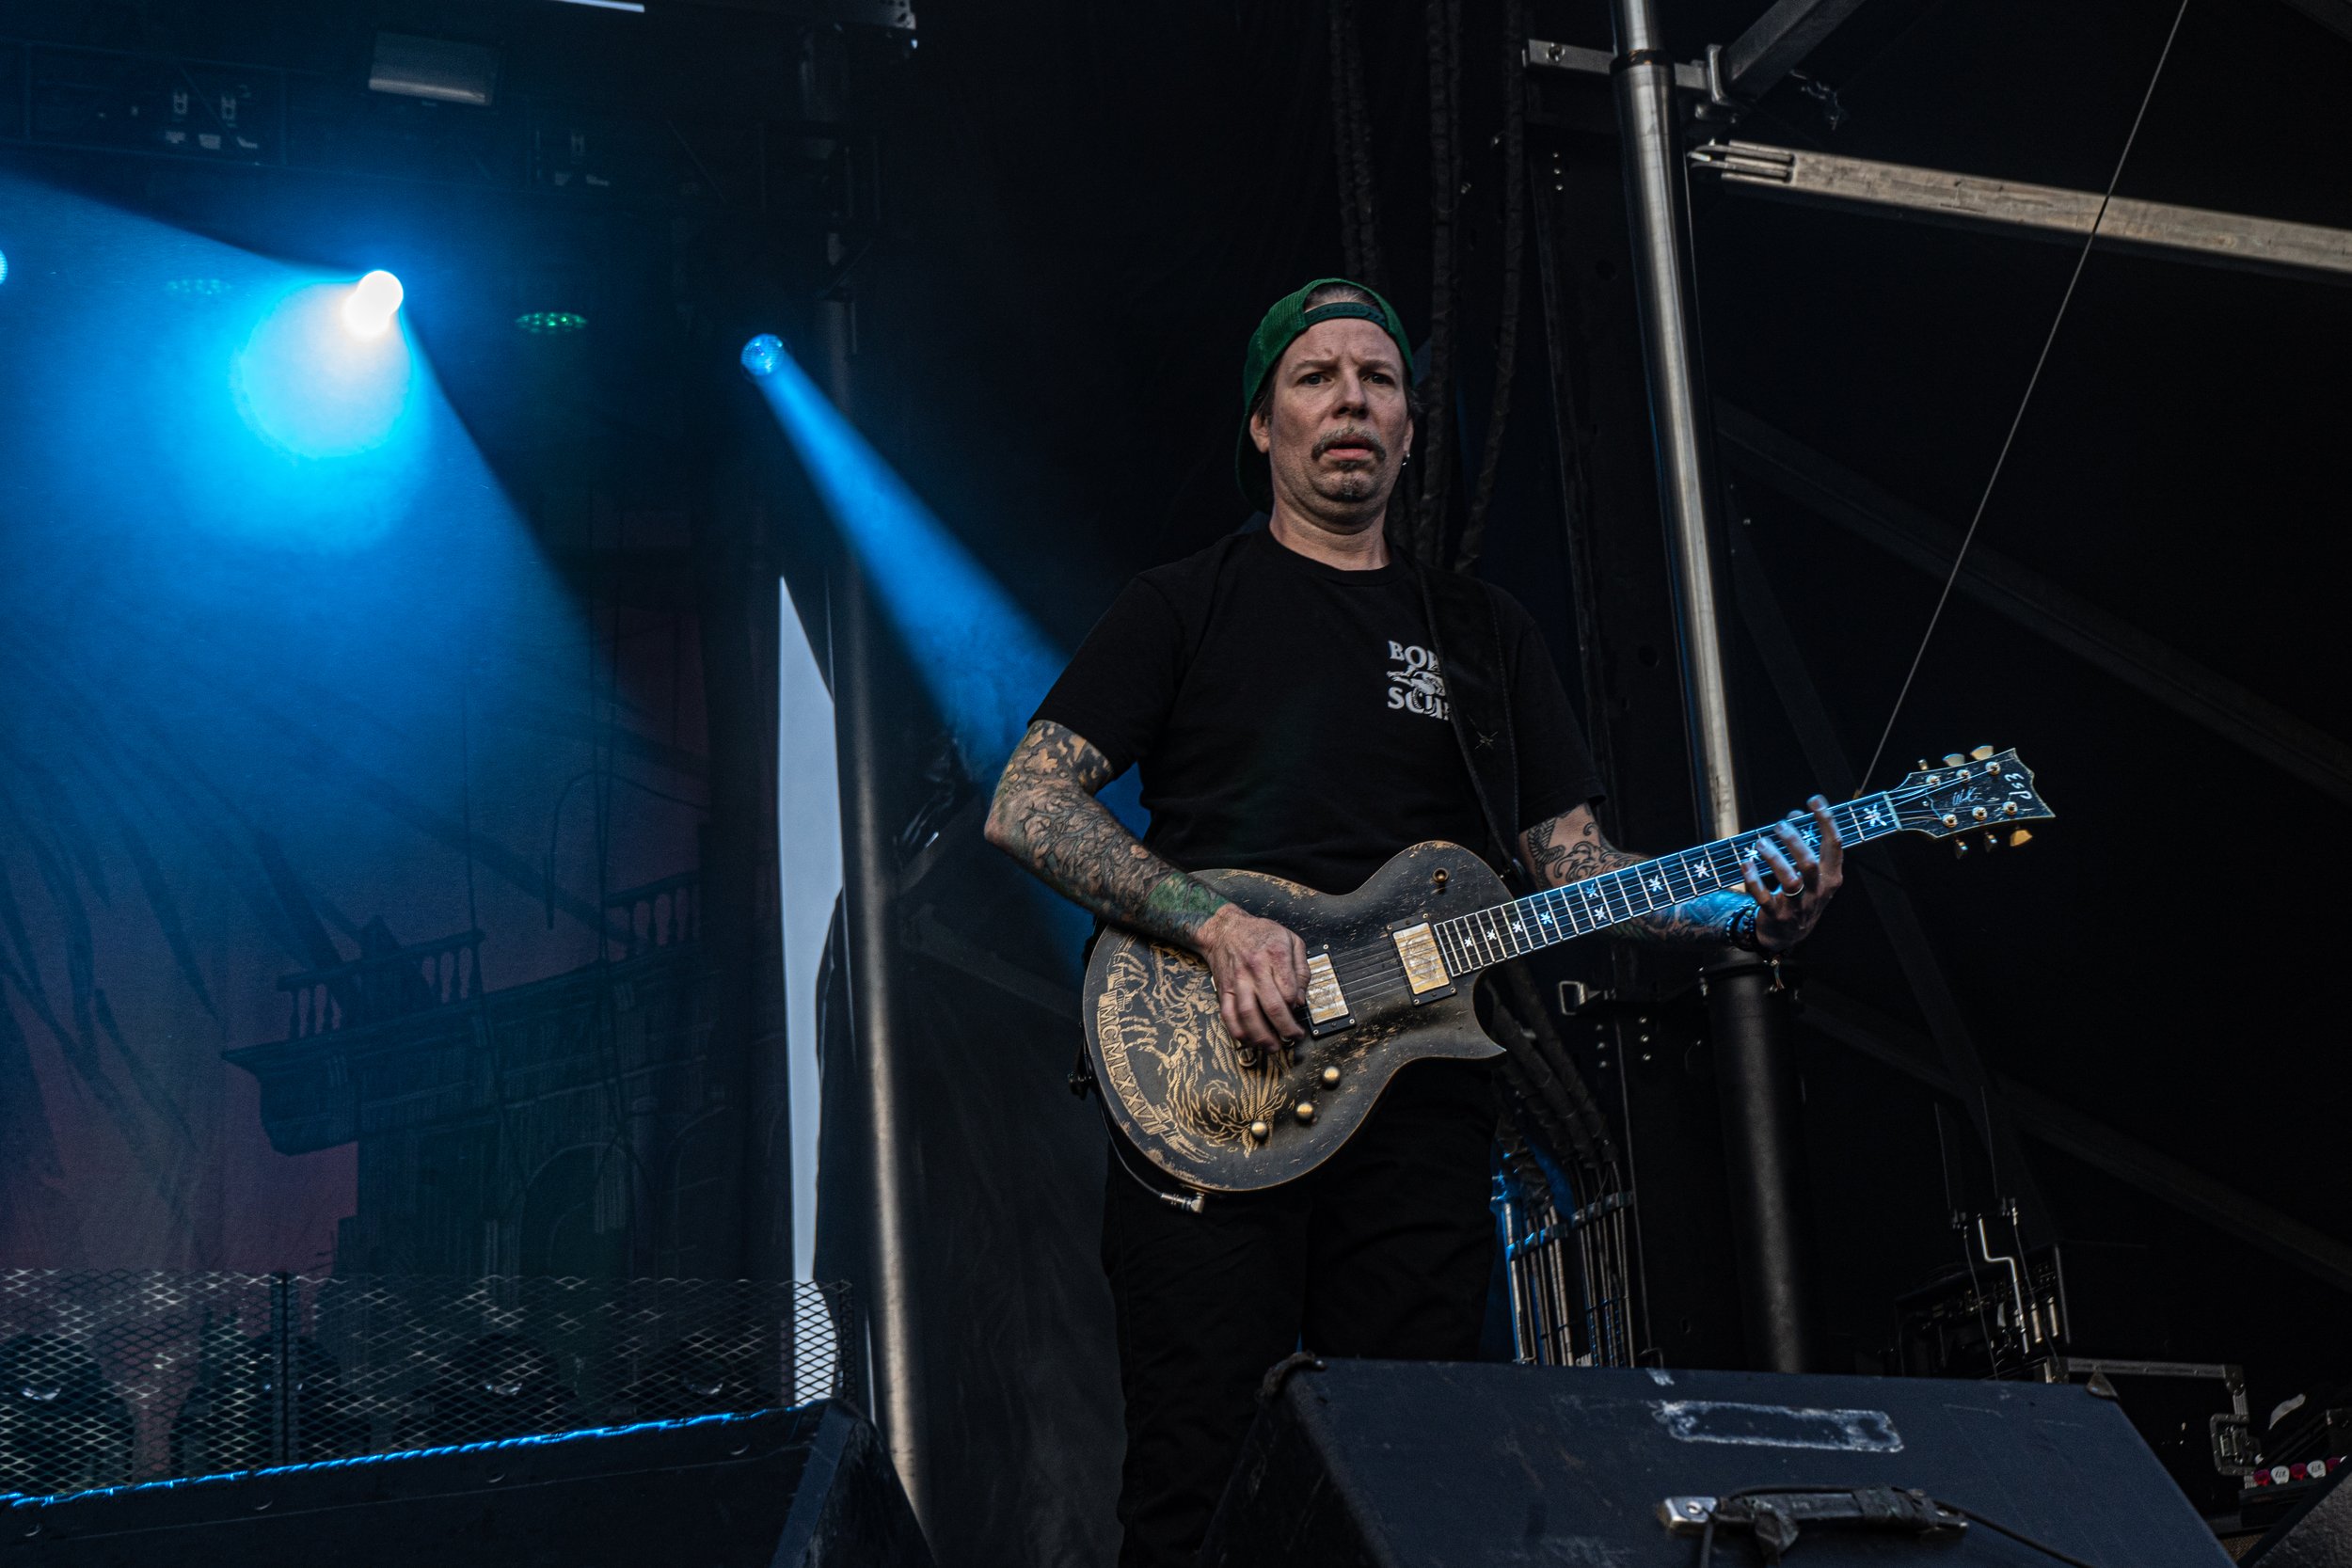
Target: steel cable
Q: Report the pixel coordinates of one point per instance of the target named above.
(2049, 339)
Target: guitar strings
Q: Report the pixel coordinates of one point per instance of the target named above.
(1352, 966)
(1372, 972)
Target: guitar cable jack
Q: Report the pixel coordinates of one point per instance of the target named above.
(1190, 1201)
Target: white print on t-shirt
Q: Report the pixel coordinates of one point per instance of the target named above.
(1417, 687)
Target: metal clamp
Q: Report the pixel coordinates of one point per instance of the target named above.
(1689, 77)
(1719, 105)
(1773, 1516)
(1748, 963)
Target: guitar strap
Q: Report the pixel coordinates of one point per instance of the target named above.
(1466, 638)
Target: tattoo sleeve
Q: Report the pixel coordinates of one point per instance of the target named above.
(1045, 817)
(1569, 848)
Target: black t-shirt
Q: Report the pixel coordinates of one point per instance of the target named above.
(1287, 716)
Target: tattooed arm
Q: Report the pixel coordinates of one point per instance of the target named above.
(1570, 846)
(1045, 817)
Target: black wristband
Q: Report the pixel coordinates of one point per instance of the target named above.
(1739, 930)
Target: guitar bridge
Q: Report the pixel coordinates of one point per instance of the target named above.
(1424, 966)
(1326, 1004)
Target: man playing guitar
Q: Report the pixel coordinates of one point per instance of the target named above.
(1279, 693)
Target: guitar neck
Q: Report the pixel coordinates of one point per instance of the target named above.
(1491, 936)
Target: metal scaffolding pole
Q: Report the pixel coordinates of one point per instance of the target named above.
(1754, 1067)
(870, 879)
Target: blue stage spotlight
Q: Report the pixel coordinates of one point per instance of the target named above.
(984, 661)
(763, 353)
(4, 266)
(375, 300)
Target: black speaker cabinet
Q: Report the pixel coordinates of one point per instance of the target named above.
(805, 1488)
(2316, 1533)
(1368, 1462)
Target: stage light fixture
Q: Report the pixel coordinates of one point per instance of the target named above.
(763, 355)
(551, 324)
(4, 266)
(375, 300)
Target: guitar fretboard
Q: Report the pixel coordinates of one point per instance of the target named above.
(1505, 931)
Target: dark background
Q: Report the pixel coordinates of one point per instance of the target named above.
(1062, 223)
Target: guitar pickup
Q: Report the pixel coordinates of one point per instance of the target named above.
(1424, 966)
(1326, 1004)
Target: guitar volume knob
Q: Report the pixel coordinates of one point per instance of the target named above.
(1304, 1111)
(1331, 1077)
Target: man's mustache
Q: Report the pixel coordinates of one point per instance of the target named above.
(1353, 438)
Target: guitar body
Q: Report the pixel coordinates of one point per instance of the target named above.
(1183, 1092)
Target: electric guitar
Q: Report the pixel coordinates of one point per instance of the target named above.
(1390, 969)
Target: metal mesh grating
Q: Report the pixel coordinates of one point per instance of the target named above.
(108, 1378)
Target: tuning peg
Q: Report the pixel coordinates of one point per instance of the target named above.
(1992, 842)
(1923, 764)
(1982, 753)
(1959, 848)
(2019, 837)
(1953, 759)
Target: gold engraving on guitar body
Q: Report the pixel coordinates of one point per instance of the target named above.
(1180, 1089)
(1169, 1060)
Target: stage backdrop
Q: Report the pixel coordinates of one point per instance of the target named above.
(311, 757)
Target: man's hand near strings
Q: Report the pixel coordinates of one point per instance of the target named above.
(1571, 848)
(1045, 817)
(1261, 972)
(1804, 881)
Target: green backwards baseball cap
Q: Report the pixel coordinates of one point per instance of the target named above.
(1291, 316)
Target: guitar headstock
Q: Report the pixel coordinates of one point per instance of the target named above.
(1985, 797)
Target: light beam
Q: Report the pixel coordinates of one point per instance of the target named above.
(310, 391)
(984, 662)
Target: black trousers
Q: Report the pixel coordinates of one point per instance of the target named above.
(1382, 1252)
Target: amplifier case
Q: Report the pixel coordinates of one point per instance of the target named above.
(1455, 1465)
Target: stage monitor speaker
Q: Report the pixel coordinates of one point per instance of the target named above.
(2316, 1533)
(1368, 1463)
(805, 1488)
